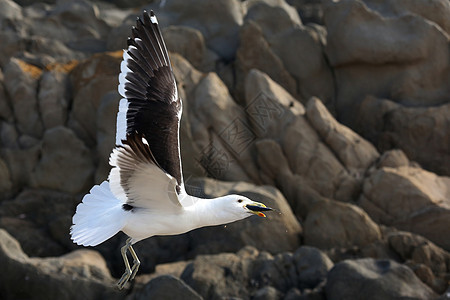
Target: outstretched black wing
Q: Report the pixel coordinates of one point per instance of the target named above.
(151, 106)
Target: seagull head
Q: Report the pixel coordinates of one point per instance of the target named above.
(246, 207)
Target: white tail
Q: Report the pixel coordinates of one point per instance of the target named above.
(98, 217)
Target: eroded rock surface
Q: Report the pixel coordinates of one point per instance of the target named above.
(334, 113)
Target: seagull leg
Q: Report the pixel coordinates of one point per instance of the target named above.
(126, 276)
(136, 263)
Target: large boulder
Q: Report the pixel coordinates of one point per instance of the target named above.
(21, 164)
(276, 115)
(92, 80)
(421, 132)
(190, 43)
(299, 49)
(409, 198)
(53, 98)
(78, 275)
(106, 132)
(354, 152)
(78, 25)
(5, 105)
(374, 279)
(429, 262)
(334, 224)
(167, 287)
(396, 50)
(40, 221)
(6, 184)
(312, 266)
(256, 275)
(66, 164)
(218, 21)
(221, 130)
(21, 83)
(255, 53)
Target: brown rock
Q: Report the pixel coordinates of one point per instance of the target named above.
(220, 129)
(218, 21)
(312, 266)
(167, 287)
(189, 43)
(372, 51)
(6, 184)
(8, 135)
(273, 15)
(353, 151)
(21, 81)
(300, 49)
(106, 132)
(207, 275)
(53, 98)
(21, 163)
(374, 279)
(334, 224)
(256, 275)
(77, 24)
(117, 37)
(40, 221)
(274, 114)
(393, 159)
(424, 273)
(5, 105)
(66, 164)
(83, 271)
(416, 248)
(411, 199)
(437, 12)
(421, 132)
(255, 53)
(91, 80)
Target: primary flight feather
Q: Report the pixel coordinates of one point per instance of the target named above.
(144, 194)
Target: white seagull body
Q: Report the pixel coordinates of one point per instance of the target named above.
(144, 194)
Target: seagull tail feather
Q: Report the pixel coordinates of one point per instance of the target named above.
(98, 217)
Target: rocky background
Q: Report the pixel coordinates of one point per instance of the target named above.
(336, 113)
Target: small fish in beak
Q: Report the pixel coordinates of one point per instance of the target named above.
(257, 208)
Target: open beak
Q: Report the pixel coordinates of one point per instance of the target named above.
(257, 208)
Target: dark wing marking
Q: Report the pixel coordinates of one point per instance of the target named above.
(151, 106)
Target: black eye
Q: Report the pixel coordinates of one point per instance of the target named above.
(240, 201)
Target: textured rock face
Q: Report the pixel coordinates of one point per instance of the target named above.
(379, 39)
(419, 131)
(84, 271)
(218, 21)
(65, 165)
(21, 85)
(91, 80)
(382, 61)
(424, 258)
(337, 224)
(250, 273)
(167, 287)
(340, 124)
(417, 201)
(374, 279)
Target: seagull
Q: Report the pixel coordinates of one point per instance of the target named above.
(144, 194)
